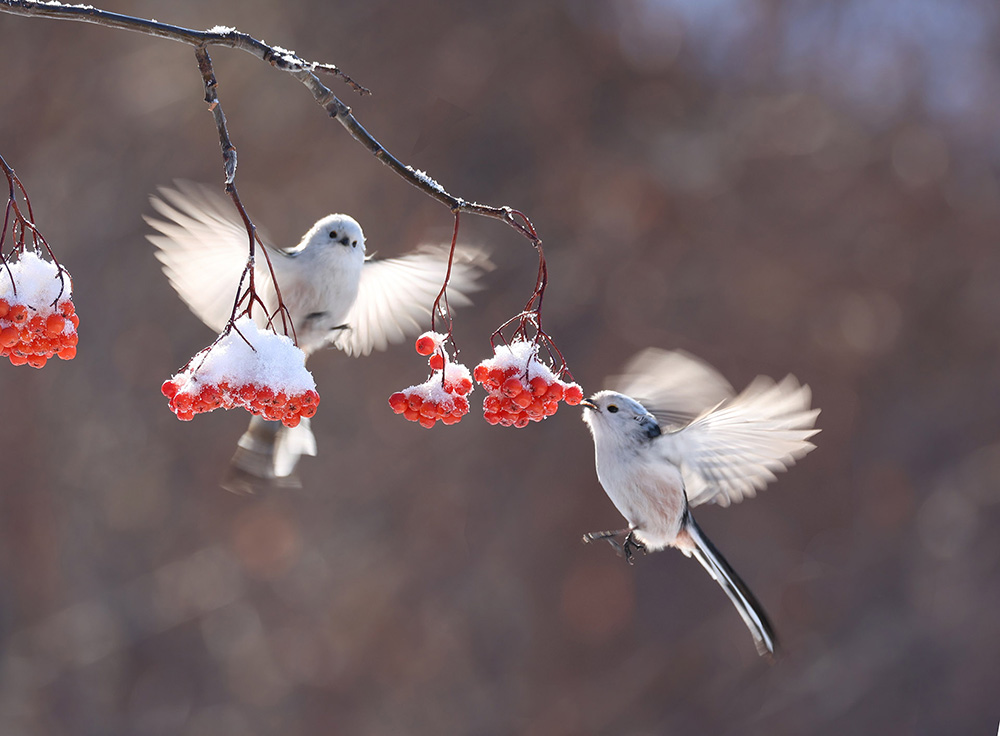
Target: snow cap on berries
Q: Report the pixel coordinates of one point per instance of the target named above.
(520, 354)
(39, 282)
(273, 361)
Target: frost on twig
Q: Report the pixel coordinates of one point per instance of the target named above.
(303, 70)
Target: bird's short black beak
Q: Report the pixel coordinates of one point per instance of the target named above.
(588, 404)
(344, 240)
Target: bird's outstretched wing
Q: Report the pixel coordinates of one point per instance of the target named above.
(673, 386)
(203, 246)
(395, 295)
(734, 450)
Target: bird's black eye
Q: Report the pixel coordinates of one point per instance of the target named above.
(333, 234)
(354, 243)
(612, 409)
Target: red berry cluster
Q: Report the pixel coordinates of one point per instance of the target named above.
(521, 389)
(34, 338)
(188, 397)
(249, 367)
(443, 396)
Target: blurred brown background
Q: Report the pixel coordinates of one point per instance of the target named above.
(776, 186)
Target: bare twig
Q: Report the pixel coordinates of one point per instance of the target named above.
(287, 61)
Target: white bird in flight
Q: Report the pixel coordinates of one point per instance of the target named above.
(688, 439)
(336, 295)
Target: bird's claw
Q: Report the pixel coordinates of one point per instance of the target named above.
(627, 547)
(630, 544)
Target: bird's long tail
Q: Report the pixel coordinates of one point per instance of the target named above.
(267, 454)
(746, 603)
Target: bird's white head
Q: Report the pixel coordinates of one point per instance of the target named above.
(614, 417)
(336, 234)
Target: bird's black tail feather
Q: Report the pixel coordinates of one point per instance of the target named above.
(746, 603)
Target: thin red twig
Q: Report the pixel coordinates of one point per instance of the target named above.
(22, 224)
(250, 296)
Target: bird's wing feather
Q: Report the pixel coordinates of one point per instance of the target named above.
(395, 295)
(674, 386)
(203, 246)
(734, 450)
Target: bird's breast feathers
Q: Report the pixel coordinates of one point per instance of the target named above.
(321, 282)
(648, 492)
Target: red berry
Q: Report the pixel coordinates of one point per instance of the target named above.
(512, 387)
(436, 362)
(398, 402)
(573, 394)
(426, 345)
(54, 324)
(18, 314)
(523, 400)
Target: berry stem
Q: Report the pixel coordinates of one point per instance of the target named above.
(229, 162)
(22, 223)
(529, 320)
(441, 305)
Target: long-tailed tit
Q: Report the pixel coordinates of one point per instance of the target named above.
(688, 439)
(336, 296)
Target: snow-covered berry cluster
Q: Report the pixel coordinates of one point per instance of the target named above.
(251, 368)
(443, 395)
(521, 388)
(37, 316)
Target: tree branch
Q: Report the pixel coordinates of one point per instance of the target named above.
(287, 61)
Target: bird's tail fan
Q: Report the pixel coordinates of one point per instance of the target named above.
(267, 454)
(747, 605)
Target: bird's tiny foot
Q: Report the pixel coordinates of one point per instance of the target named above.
(630, 544)
(624, 548)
